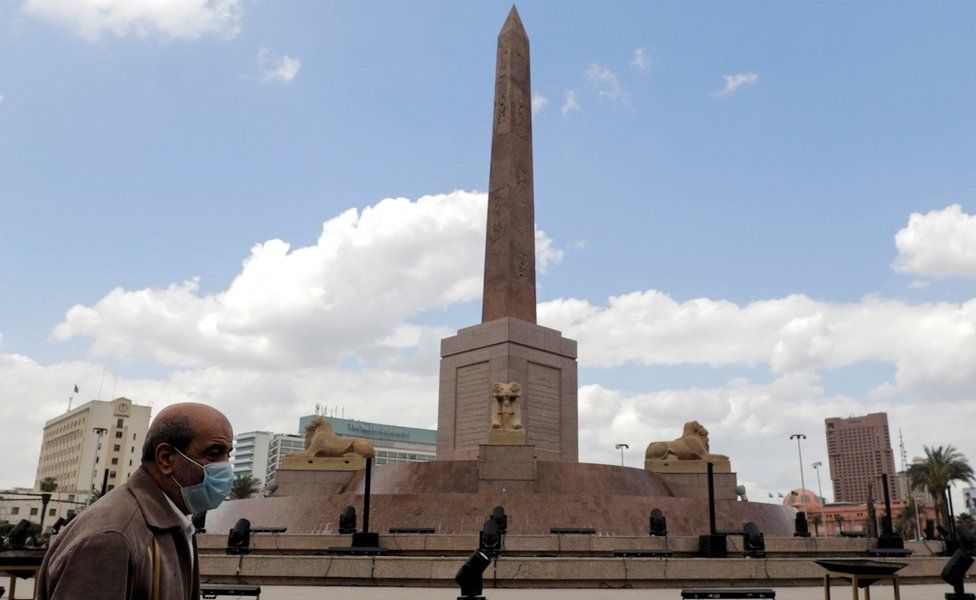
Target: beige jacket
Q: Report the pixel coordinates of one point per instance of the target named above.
(128, 545)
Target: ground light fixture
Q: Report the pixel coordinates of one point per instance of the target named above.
(499, 516)
(239, 538)
(470, 576)
(753, 541)
(347, 520)
(658, 523)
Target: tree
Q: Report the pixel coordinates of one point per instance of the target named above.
(936, 472)
(906, 523)
(840, 522)
(244, 486)
(817, 522)
(49, 484)
(967, 522)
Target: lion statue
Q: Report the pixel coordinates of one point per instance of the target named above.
(506, 414)
(692, 445)
(321, 442)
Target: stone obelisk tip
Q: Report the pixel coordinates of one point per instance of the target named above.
(513, 23)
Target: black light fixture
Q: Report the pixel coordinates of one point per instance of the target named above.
(753, 541)
(490, 540)
(17, 538)
(239, 538)
(658, 523)
(470, 576)
(61, 522)
(499, 516)
(801, 527)
(347, 520)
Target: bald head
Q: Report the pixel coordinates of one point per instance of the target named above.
(180, 425)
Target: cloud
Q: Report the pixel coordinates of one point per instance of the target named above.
(932, 346)
(1, 98)
(281, 69)
(181, 19)
(570, 104)
(641, 60)
(368, 273)
(606, 84)
(734, 82)
(938, 244)
(539, 102)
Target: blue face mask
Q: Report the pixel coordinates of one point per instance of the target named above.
(214, 489)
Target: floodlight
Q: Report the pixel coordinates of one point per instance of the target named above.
(753, 541)
(499, 516)
(802, 528)
(239, 538)
(469, 576)
(659, 523)
(490, 541)
(17, 538)
(58, 525)
(347, 520)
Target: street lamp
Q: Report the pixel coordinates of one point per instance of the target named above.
(823, 517)
(100, 431)
(798, 437)
(622, 447)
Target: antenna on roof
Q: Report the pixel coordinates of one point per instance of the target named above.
(904, 453)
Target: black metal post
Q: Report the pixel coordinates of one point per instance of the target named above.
(889, 524)
(369, 473)
(45, 498)
(711, 500)
(952, 513)
(104, 482)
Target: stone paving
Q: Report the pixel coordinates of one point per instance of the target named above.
(908, 592)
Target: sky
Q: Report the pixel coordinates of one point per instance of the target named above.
(757, 215)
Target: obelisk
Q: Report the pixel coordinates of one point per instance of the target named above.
(508, 345)
(509, 287)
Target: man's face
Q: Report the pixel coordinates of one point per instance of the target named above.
(212, 443)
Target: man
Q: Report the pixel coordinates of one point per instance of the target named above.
(137, 543)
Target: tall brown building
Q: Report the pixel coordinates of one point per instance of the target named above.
(859, 449)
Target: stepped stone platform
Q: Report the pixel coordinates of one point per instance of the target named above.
(455, 497)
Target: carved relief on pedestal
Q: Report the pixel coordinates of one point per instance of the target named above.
(506, 416)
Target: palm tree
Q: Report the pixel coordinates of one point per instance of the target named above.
(906, 522)
(817, 522)
(244, 486)
(936, 472)
(840, 523)
(49, 484)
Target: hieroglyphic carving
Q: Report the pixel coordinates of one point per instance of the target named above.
(472, 409)
(542, 408)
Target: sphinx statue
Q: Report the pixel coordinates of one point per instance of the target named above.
(506, 416)
(692, 446)
(325, 450)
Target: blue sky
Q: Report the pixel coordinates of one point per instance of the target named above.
(140, 151)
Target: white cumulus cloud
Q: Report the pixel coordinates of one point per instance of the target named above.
(734, 82)
(606, 84)
(281, 69)
(641, 60)
(938, 244)
(369, 272)
(539, 102)
(570, 104)
(186, 19)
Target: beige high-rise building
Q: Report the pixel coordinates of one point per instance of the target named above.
(80, 445)
(859, 450)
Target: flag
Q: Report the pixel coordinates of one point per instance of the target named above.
(770, 495)
(76, 388)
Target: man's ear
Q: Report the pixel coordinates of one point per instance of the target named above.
(166, 458)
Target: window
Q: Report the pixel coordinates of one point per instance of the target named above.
(71, 497)
(97, 460)
(111, 474)
(118, 434)
(115, 461)
(133, 436)
(116, 447)
(119, 424)
(110, 488)
(51, 512)
(15, 510)
(33, 511)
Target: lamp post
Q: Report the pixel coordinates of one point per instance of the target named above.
(622, 447)
(799, 451)
(823, 517)
(100, 431)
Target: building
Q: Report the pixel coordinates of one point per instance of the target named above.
(100, 441)
(969, 500)
(903, 489)
(282, 444)
(250, 454)
(859, 450)
(394, 443)
(852, 517)
(25, 503)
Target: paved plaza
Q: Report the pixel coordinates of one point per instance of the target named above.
(909, 592)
